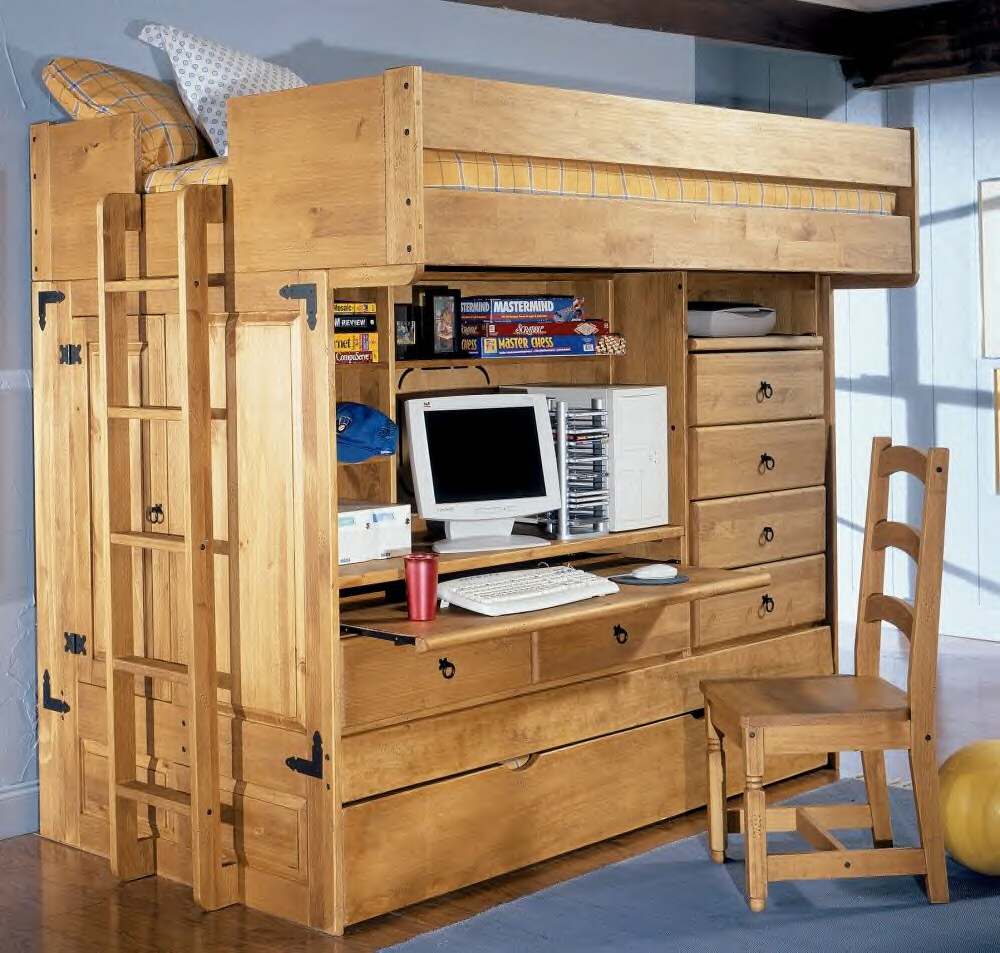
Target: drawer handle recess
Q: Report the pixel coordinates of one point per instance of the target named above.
(766, 605)
(766, 462)
(764, 392)
(766, 535)
(154, 513)
(446, 668)
(621, 634)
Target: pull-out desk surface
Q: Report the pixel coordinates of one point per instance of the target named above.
(455, 626)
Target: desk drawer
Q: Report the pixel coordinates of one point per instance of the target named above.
(383, 681)
(592, 646)
(743, 530)
(753, 458)
(796, 596)
(754, 387)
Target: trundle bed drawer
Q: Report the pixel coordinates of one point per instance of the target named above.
(382, 680)
(741, 531)
(753, 387)
(592, 646)
(796, 596)
(752, 458)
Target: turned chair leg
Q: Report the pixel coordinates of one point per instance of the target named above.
(716, 791)
(755, 825)
(878, 797)
(923, 768)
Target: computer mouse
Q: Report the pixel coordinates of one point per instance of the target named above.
(655, 571)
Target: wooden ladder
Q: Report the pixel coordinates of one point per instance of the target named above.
(120, 532)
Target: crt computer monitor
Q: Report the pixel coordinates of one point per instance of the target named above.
(479, 462)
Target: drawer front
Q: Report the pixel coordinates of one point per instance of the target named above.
(592, 646)
(753, 387)
(754, 458)
(382, 680)
(429, 840)
(796, 596)
(743, 530)
(456, 742)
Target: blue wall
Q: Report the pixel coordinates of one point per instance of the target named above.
(909, 362)
(322, 40)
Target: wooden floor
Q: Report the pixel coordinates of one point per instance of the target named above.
(54, 899)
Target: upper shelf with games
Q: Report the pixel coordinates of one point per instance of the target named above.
(408, 172)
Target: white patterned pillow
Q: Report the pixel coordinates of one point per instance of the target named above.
(208, 75)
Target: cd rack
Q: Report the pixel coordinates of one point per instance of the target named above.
(581, 438)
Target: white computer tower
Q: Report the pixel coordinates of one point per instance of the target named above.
(637, 449)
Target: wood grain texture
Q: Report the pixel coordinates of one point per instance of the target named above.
(743, 530)
(730, 460)
(480, 115)
(755, 387)
(488, 229)
(796, 595)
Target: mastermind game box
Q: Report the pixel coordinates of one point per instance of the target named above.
(532, 308)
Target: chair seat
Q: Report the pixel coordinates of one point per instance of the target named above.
(810, 700)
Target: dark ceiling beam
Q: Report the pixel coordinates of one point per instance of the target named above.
(923, 44)
(787, 24)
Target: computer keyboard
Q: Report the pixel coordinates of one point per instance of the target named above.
(523, 590)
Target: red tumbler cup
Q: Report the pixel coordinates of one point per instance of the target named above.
(421, 585)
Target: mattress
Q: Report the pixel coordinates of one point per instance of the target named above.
(470, 171)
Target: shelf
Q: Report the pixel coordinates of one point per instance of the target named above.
(766, 342)
(381, 571)
(435, 364)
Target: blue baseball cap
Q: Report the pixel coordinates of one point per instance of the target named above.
(363, 432)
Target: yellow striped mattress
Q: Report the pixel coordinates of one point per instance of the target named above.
(472, 171)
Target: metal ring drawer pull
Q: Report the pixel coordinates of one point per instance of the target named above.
(766, 605)
(154, 513)
(766, 462)
(766, 535)
(764, 392)
(621, 634)
(446, 668)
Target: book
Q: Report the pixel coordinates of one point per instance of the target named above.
(522, 308)
(474, 329)
(355, 357)
(355, 343)
(355, 316)
(537, 345)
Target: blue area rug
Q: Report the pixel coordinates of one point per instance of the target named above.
(675, 900)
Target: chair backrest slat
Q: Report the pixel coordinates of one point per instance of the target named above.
(882, 608)
(899, 535)
(925, 546)
(902, 460)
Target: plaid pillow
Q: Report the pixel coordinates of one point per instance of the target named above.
(87, 89)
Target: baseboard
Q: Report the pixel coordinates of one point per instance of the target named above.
(19, 809)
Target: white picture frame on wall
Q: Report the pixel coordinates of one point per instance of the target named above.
(989, 263)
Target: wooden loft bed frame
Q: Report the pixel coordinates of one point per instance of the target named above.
(337, 751)
(331, 177)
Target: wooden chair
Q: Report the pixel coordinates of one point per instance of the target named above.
(861, 712)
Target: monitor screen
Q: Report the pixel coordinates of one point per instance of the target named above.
(485, 453)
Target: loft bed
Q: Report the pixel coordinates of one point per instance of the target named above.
(429, 170)
(363, 189)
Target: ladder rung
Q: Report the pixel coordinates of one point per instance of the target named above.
(155, 795)
(145, 413)
(152, 668)
(174, 544)
(124, 285)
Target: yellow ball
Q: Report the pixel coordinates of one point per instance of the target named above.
(970, 806)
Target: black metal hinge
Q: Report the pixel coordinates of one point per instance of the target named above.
(306, 293)
(76, 644)
(70, 353)
(48, 702)
(311, 767)
(45, 298)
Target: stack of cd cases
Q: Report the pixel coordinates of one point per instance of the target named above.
(581, 437)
